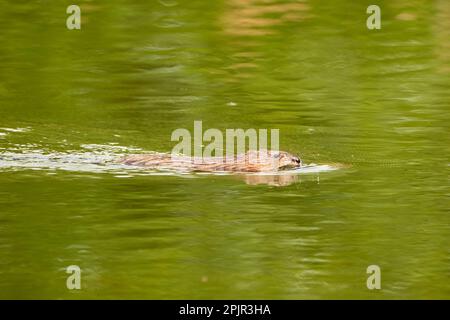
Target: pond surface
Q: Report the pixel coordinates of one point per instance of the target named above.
(376, 102)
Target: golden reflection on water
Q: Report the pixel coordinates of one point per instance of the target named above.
(272, 180)
(442, 31)
(247, 22)
(258, 17)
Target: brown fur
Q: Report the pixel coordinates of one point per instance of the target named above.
(252, 161)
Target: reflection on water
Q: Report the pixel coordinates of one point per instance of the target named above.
(272, 180)
(442, 31)
(258, 17)
(136, 71)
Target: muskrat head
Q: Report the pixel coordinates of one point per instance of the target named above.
(269, 160)
(286, 160)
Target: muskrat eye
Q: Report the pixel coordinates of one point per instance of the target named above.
(296, 160)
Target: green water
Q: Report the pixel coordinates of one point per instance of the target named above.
(376, 101)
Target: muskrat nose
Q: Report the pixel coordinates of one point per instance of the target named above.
(296, 160)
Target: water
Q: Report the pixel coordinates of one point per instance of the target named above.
(373, 104)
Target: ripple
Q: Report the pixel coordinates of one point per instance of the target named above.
(16, 129)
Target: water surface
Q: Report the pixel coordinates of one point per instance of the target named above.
(374, 101)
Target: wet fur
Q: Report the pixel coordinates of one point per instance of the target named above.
(252, 161)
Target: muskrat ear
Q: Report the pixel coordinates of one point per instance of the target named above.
(276, 155)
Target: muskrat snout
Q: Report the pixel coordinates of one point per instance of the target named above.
(297, 161)
(287, 160)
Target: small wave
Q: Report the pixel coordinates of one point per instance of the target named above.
(16, 129)
(82, 162)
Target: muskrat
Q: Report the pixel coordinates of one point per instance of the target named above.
(251, 161)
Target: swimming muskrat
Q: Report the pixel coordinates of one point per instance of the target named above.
(251, 161)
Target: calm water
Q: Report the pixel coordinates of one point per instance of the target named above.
(375, 101)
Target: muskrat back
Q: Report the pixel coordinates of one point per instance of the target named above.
(251, 161)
